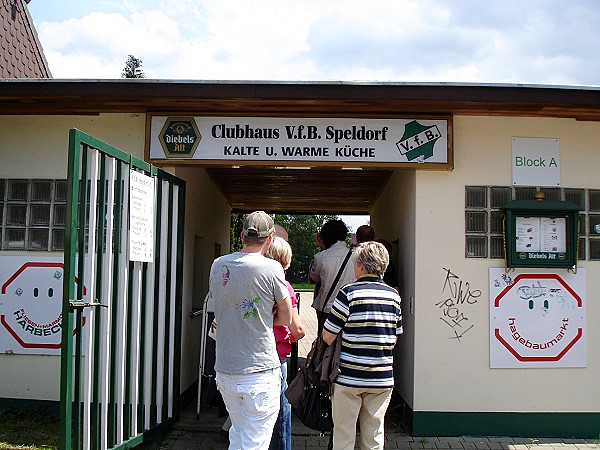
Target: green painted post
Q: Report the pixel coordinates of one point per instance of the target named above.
(66, 375)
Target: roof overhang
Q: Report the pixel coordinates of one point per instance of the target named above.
(54, 96)
(317, 189)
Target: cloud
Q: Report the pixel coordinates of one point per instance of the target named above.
(544, 42)
(99, 42)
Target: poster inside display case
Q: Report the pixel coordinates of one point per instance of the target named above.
(541, 233)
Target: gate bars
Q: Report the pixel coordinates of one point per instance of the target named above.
(121, 319)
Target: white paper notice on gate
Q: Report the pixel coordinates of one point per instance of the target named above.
(141, 217)
(537, 318)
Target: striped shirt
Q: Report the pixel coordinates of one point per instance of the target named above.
(367, 313)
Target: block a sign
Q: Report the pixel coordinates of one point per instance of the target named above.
(285, 141)
(535, 162)
(537, 319)
(31, 305)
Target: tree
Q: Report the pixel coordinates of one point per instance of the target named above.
(237, 223)
(302, 230)
(133, 68)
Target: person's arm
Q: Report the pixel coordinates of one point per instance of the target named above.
(312, 273)
(328, 337)
(284, 312)
(296, 327)
(313, 277)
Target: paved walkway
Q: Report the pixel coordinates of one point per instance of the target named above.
(204, 432)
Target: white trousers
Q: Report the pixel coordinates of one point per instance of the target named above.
(252, 401)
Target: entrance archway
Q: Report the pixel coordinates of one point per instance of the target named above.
(296, 190)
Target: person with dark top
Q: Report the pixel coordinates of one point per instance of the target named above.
(390, 277)
(365, 233)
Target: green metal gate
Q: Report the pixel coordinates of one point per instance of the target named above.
(121, 319)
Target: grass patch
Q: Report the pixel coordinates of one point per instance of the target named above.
(29, 429)
(303, 286)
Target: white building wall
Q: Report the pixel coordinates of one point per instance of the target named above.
(424, 210)
(393, 219)
(37, 147)
(207, 216)
(453, 375)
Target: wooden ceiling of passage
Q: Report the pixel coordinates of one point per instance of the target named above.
(301, 191)
(316, 189)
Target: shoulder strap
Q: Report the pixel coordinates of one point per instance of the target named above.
(337, 277)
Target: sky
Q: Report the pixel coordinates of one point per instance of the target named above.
(546, 42)
(540, 42)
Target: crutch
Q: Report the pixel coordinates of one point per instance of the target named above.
(202, 351)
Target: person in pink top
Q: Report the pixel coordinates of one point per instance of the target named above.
(280, 251)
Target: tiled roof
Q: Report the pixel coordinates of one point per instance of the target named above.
(21, 53)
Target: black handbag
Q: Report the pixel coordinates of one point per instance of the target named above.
(310, 397)
(315, 409)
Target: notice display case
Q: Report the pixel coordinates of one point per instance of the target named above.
(541, 233)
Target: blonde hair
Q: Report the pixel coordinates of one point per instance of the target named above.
(372, 257)
(280, 251)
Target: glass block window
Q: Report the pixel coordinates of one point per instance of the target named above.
(524, 193)
(576, 196)
(476, 197)
(484, 221)
(497, 247)
(484, 217)
(593, 221)
(594, 200)
(500, 196)
(497, 222)
(476, 221)
(32, 214)
(553, 194)
(595, 249)
(476, 247)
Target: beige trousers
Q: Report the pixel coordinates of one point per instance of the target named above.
(369, 406)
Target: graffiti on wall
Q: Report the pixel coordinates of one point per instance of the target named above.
(457, 296)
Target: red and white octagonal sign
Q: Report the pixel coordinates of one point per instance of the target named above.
(31, 307)
(537, 319)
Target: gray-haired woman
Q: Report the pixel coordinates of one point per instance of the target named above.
(366, 316)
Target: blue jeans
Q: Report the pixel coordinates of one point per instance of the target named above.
(282, 432)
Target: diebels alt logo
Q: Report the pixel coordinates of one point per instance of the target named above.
(418, 141)
(179, 137)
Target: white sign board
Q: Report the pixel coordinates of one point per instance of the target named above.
(535, 162)
(281, 141)
(537, 319)
(31, 304)
(141, 217)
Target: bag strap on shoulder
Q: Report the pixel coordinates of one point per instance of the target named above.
(337, 277)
